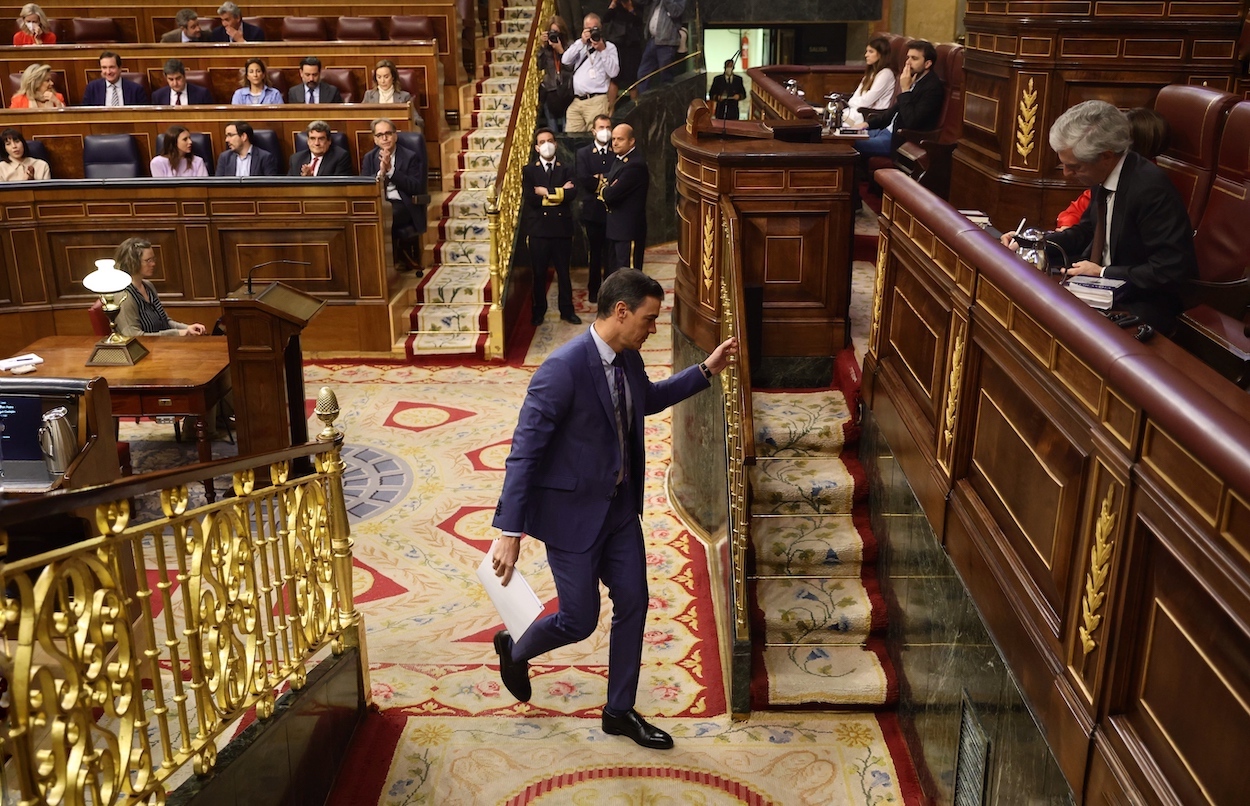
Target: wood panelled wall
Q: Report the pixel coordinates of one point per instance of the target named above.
(794, 205)
(207, 234)
(1025, 63)
(1094, 494)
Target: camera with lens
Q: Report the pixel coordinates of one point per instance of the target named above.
(553, 36)
(596, 35)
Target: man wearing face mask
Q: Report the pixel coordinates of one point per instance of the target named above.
(548, 191)
(727, 90)
(592, 164)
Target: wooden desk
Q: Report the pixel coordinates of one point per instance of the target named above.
(182, 376)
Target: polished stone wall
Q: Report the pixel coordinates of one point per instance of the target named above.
(697, 477)
(941, 649)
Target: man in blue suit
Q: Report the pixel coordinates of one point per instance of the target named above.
(242, 158)
(110, 89)
(178, 92)
(574, 480)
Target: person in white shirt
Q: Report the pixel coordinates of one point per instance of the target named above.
(595, 63)
(876, 91)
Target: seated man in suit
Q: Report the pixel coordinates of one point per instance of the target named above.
(311, 90)
(404, 173)
(321, 158)
(233, 28)
(186, 28)
(110, 89)
(918, 105)
(178, 92)
(242, 158)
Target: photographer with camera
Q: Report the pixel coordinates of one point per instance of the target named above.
(555, 93)
(594, 62)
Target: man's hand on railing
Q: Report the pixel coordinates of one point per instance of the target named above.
(719, 359)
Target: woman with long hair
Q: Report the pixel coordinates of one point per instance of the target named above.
(141, 311)
(876, 90)
(386, 90)
(18, 166)
(33, 27)
(176, 157)
(36, 90)
(254, 87)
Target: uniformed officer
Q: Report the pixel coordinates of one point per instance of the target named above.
(548, 190)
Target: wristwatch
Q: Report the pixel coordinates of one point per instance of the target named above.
(707, 373)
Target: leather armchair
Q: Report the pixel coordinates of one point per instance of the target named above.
(111, 156)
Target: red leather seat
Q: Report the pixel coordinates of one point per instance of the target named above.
(94, 30)
(277, 80)
(139, 78)
(408, 83)
(1223, 270)
(345, 80)
(200, 79)
(304, 29)
(358, 29)
(1196, 116)
(408, 26)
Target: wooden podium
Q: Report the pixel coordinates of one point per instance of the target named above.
(266, 365)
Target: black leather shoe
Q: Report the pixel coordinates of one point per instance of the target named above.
(571, 318)
(537, 319)
(638, 729)
(515, 676)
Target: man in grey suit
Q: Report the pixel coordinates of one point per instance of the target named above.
(311, 90)
(242, 158)
(404, 174)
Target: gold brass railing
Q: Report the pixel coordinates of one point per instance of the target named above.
(503, 208)
(739, 432)
(130, 653)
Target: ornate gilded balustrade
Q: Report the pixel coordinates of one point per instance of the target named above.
(132, 653)
(739, 440)
(503, 211)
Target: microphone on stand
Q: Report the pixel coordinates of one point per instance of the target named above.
(252, 270)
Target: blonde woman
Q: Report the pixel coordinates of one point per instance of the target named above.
(386, 91)
(32, 27)
(36, 90)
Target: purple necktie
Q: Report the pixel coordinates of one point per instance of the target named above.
(622, 418)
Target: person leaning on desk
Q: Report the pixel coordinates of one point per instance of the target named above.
(141, 312)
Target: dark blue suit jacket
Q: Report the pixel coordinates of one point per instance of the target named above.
(410, 178)
(589, 164)
(548, 221)
(251, 33)
(195, 95)
(561, 474)
(626, 198)
(132, 93)
(263, 163)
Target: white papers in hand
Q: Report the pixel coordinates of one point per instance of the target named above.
(517, 603)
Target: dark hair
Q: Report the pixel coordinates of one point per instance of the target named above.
(242, 128)
(310, 60)
(598, 118)
(1151, 133)
(882, 46)
(629, 286)
(729, 62)
(542, 130)
(264, 73)
(925, 46)
(171, 152)
(319, 126)
(175, 67)
(108, 54)
(13, 136)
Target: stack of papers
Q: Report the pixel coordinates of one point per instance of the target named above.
(1096, 292)
(517, 604)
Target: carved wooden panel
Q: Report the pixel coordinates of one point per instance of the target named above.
(917, 336)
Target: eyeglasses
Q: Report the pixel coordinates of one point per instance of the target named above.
(383, 134)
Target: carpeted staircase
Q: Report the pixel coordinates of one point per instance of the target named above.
(818, 614)
(452, 300)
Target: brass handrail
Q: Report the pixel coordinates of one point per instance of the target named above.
(503, 207)
(739, 422)
(130, 653)
(659, 70)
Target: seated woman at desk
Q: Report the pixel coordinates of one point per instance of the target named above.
(36, 90)
(387, 91)
(255, 88)
(17, 166)
(876, 91)
(141, 312)
(176, 159)
(33, 27)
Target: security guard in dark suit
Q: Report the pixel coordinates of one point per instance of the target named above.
(548, 190)
(625, 194)
(592, 163)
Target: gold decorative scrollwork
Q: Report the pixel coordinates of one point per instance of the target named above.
(709, 249)
(1026, 122)
(878, 292)
(951, 414)
(1096, 577)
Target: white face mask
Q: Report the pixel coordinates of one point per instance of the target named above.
(546, 150)
(603, 135)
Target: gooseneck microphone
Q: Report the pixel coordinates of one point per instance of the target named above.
(252, 270)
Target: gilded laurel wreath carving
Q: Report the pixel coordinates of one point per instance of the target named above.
(1096, 578)
(878, 293)
(1026, 122)
(709, 249)
(952, 391)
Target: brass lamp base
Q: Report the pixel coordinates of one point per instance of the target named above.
(122, 353)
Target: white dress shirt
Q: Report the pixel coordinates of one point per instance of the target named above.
(593, 69)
